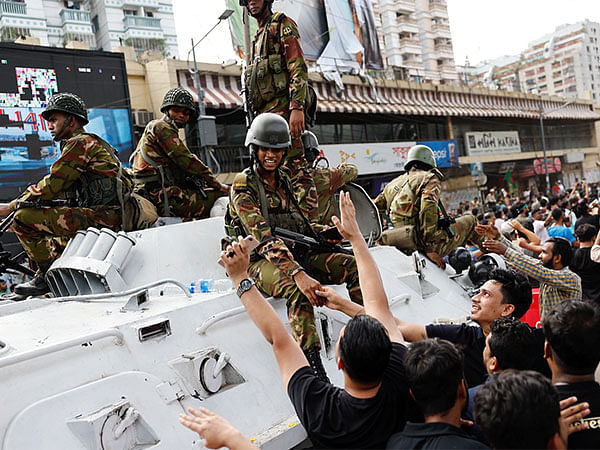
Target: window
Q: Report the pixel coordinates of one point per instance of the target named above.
(149, 14)
(130, 12)
(95, 24)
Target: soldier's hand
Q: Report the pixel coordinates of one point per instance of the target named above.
(333, 299)
(308, 286)
(5, 209)
(489, 231)
(437, 259)
(235, 258)
(296, 123)
(495, 247)
(347, 226)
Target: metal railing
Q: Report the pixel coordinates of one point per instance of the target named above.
(74, 15)
(8, 7)
(141, 22)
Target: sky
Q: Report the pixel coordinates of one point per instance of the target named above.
(481, 29)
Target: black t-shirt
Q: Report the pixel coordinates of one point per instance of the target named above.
(334, 419)
(437, 435)
(588, 270)
(585, 392)
(592, 219)
(472, 342)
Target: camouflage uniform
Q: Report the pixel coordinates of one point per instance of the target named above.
(43, 232)
(327, 182)
(273, 266)
(283, 38)
(162, 145)
(398, 200)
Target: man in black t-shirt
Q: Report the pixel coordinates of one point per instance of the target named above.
(434, 370)
(572, 350)
(583, 265)
(375, 402)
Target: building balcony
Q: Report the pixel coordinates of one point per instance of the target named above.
(8, 8)
(410, 46)
(441, 30)
(76, 16)
(407, 24)
(144, 3)
(444, 50)
(405, 5)
(437, 10)
(141, 22)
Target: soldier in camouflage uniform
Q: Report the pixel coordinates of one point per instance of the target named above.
(166, 172)
(88, 172)
(261, 199)
(412, 200)
(276, 82)
(327, 180)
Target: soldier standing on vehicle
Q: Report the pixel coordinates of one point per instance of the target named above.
(412, 201)
(88, 174)
(276, 81)
(327, 180)
(262, 199)
(166, 172)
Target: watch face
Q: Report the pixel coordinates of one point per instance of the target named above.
(246, 284)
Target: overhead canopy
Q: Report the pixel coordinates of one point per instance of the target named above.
(224, 92)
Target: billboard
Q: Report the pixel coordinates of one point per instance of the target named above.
(480, 143)
(386, 157)
(29, 76)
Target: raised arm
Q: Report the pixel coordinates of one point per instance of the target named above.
(289, 356)
(371, 286)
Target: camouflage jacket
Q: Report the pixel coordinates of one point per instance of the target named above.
(80, 155)
(327, 182)
(162, 145)
(399, 200)
(284, 38)
(245, 204)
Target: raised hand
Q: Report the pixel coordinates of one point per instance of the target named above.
(346, 224)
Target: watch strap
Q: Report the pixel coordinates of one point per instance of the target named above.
(244, 286)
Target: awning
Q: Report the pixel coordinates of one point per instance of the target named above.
(224, 92)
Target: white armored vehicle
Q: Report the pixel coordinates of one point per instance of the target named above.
(123, 347)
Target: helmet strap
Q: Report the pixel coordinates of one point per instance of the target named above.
(65, 125)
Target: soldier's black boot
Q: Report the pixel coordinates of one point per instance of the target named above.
(314, 359)
(37, 286)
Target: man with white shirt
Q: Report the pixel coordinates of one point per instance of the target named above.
(539, 225)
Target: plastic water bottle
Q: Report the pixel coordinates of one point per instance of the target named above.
(223, 285)
(207, 285)
(192, 287)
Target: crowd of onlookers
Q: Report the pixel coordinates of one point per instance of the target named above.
(494, 383)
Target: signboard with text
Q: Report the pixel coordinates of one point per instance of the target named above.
(492, 142)
(373, 158)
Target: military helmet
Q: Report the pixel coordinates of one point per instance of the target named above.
(270, 131)
(67, 103)
(179, 97)
(420, 153)
(460, 259)
(311, 146)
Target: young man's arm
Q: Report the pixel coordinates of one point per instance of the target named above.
(289, 356)
(595, 252)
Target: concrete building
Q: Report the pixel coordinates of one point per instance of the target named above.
(565, 62)
(417, 40)
(100, 24)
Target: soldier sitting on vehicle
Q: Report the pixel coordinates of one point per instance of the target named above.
(166, 172)
(412, 201)
(327, 180)
(87, 173)
(261, 199)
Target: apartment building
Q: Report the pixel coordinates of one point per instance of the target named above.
(99, 24)
(417, 40)
(565, 62)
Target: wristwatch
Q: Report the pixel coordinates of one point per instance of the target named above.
(245, 285)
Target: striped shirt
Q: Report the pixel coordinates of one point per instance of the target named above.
(555, 285)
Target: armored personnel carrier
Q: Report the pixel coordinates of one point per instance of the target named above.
(123, 347)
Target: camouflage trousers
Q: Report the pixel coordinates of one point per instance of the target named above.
(185, 203)
(464, 231)
(44, 232)
(303, 187)
(327, 268)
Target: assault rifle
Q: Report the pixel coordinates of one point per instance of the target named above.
(8, 262)
(44, 203)
(303, 246)
(197, 184)
(445, 221)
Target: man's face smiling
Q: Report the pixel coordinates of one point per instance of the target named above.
(269, 158)
(254, 6)
(487, 306)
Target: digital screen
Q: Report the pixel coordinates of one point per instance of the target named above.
(29, 76)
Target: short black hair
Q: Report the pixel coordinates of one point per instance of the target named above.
(365, 349)
(515, 289)
(518, 410)
(572, 328)
(586, 232)
(563, 248)
(434, 370)
(512, 343)
(557, 213)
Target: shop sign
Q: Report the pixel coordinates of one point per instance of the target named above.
(554, 165)
(492, 142)
(373, 158)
